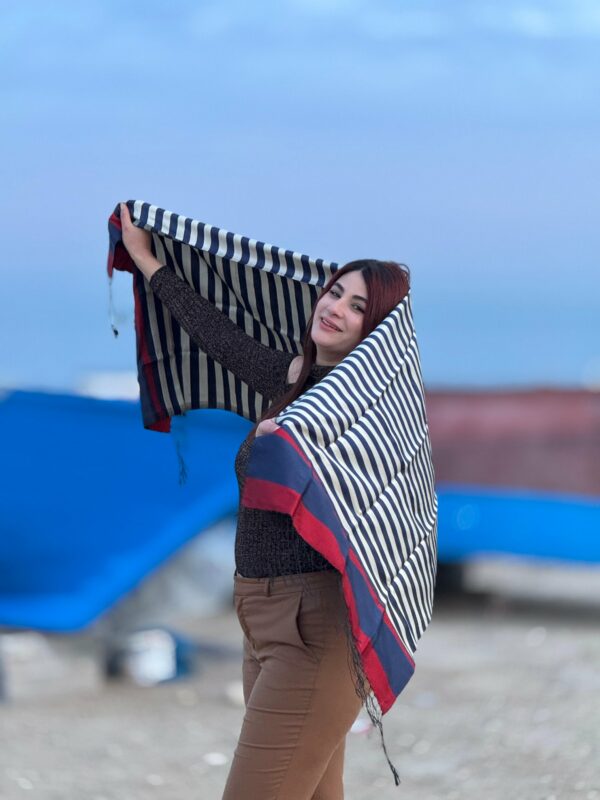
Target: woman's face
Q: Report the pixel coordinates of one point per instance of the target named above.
(338, 319)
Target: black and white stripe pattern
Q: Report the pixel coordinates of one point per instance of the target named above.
(269, 292)
(364, 429)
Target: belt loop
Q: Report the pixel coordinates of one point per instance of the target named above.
(268, 587)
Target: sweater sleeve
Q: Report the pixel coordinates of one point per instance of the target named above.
(262, 368)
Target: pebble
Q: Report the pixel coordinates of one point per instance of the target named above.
(361, 725)
(215, 759)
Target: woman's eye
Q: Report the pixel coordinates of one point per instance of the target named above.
(335, 293)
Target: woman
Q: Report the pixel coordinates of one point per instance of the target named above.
(302, 681)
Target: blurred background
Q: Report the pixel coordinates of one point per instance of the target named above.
(461, 138)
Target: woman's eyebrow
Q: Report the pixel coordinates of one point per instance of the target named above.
(354, 296)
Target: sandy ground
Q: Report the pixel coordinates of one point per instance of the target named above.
(505, 703)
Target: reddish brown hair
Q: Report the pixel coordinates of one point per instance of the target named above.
(387, 284)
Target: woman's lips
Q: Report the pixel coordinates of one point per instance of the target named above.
(328, 326)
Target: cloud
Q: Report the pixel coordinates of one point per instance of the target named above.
(572, 19)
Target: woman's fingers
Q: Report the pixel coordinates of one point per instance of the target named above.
(125, 216)
(266, 426)
(136, 240)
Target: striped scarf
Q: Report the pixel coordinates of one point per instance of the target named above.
(351, 462)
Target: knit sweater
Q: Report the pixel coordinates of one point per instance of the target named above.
(266, 543)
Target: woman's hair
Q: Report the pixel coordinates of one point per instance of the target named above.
(387, 284)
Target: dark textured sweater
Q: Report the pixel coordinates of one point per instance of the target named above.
(266, 543)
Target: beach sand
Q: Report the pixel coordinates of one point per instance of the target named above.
(504, 703)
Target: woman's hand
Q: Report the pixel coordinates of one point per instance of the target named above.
(137, 243)
(267, 426)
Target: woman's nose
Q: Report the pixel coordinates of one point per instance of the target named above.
(335, 306)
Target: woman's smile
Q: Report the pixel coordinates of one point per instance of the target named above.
(329, 326)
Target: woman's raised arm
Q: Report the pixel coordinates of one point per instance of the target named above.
(262, 368)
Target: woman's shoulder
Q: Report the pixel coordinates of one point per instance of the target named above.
(294, 369)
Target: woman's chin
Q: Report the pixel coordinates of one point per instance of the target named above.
(317, 337)
(328, 344)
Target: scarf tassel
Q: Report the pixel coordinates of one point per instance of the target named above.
(366, 695)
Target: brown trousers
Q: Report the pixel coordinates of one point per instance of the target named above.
(298, 688)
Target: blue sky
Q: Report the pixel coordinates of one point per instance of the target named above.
(461, 138)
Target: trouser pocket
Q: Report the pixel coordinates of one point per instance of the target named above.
(320, 619)
(239, 610)
(276, 620)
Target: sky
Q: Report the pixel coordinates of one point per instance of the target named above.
(461, 138)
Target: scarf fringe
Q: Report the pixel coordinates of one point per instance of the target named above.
(111, 307)
(365, 693)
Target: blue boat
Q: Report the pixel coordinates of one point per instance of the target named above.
(91, 502)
